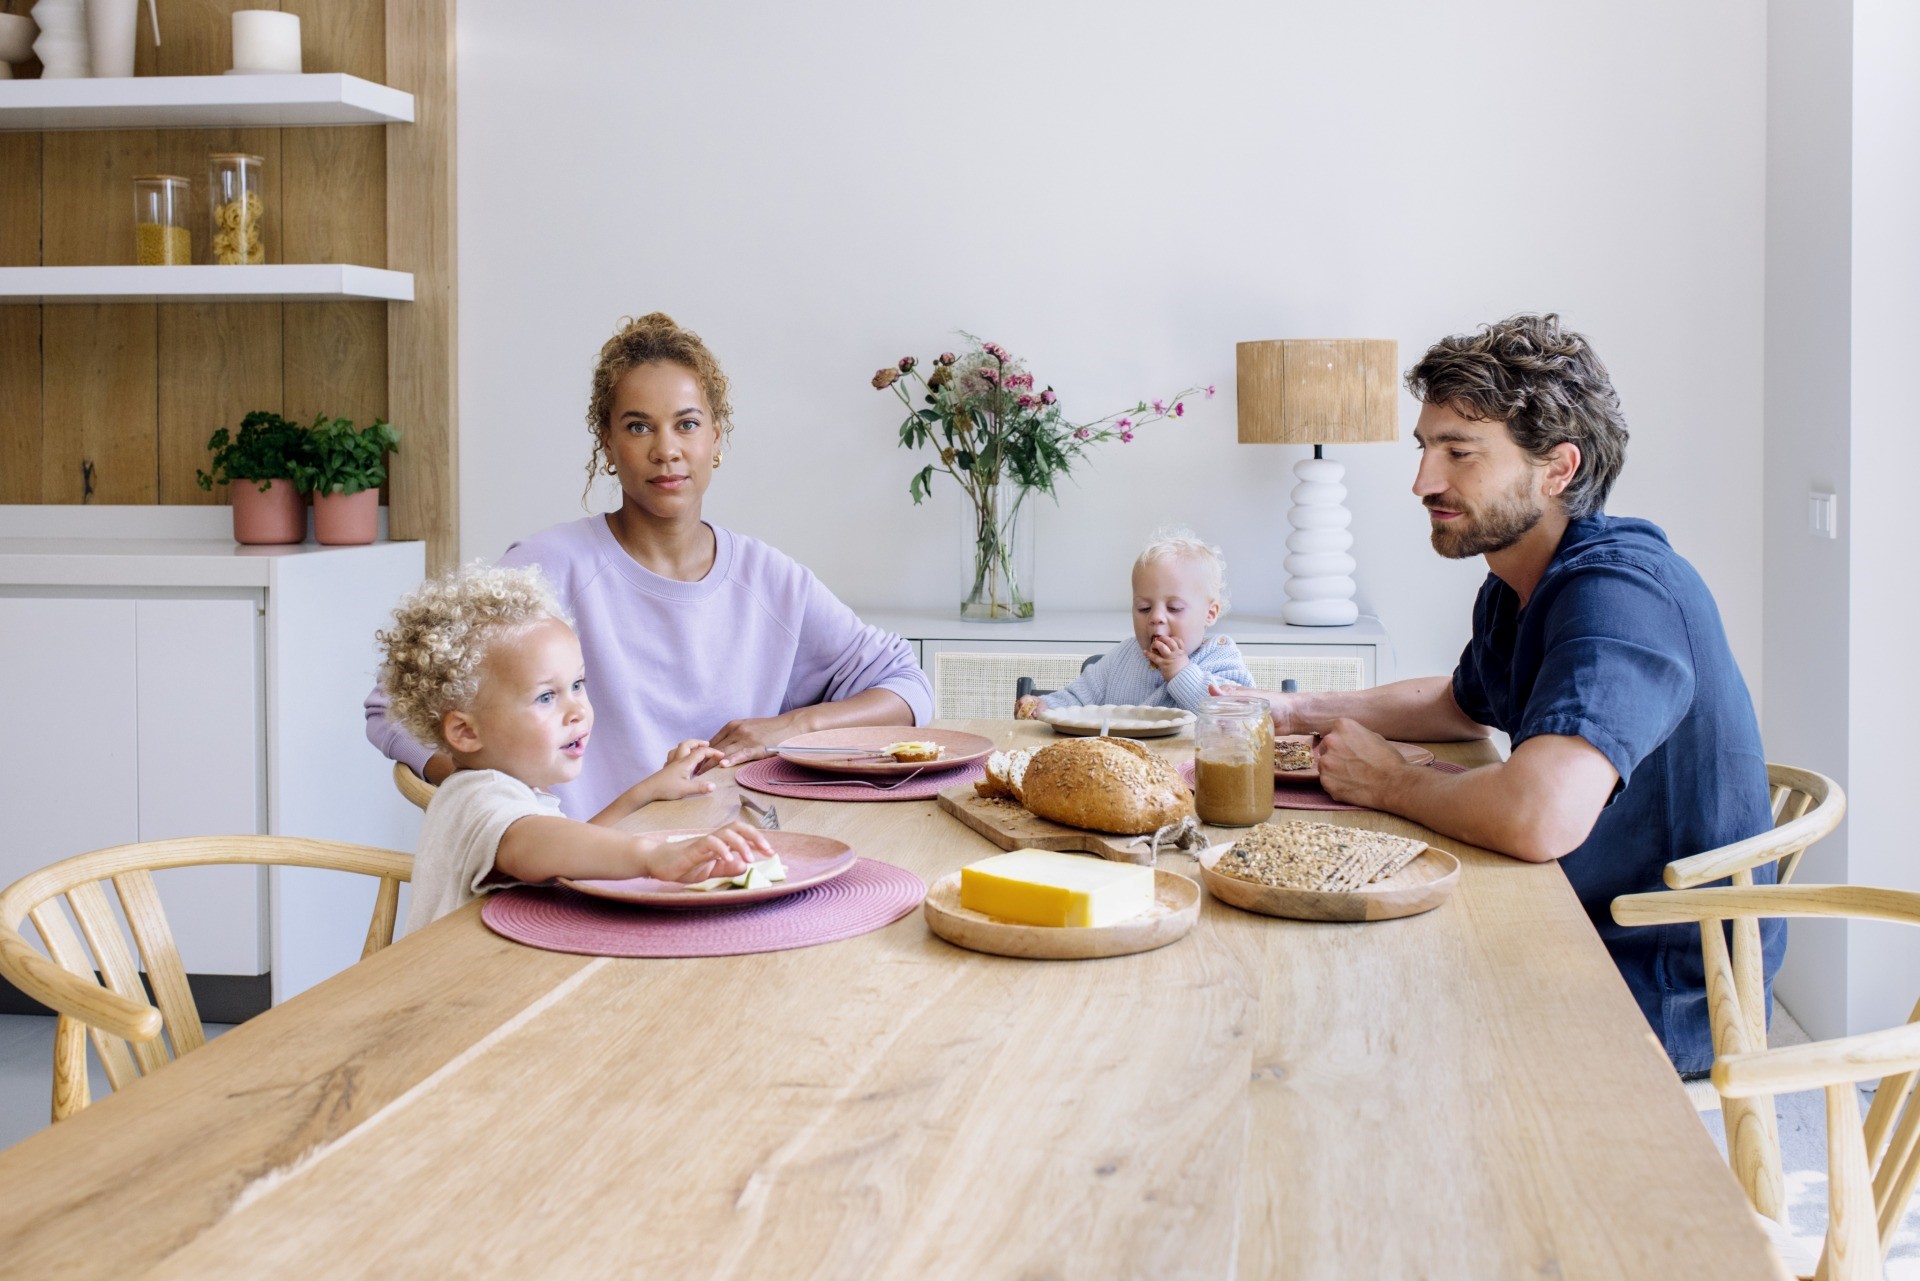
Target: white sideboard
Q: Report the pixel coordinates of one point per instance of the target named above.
(974, 666)
(166, 685)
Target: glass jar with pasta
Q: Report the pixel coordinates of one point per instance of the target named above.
(236, 201)
(160, 235)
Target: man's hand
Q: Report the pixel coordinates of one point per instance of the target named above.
(1282, 705)
(749, 739)
(1360, 767)
(1168, 655)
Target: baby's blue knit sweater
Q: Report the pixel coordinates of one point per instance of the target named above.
(1123, 675)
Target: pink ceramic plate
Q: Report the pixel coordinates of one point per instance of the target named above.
(957, 748)
(809, 860)
(1415, 755)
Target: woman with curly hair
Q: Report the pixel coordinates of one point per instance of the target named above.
(691, 631)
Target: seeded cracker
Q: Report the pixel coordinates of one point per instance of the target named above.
(1316, 856)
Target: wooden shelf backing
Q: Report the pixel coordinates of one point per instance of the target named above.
(270, 282)
(200, 102)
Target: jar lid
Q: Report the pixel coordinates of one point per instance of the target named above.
(160, 177)
(235, 155)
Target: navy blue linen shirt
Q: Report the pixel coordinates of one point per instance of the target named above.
(1621, 645)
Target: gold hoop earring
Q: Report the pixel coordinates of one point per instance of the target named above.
(719, 456)
(608, 467)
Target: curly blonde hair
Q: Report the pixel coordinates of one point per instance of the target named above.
(441, 634)
(653, 337)
(1177, 542)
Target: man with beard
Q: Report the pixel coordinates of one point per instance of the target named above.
(1595, 647)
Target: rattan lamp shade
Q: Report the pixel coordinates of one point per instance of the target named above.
(1318, 391)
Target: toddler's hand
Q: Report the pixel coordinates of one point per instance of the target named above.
(725, 851)
(1028, 708)
(675, 779)
(1167, 655)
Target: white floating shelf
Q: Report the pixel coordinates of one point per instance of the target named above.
(200, 102)
(284, 282)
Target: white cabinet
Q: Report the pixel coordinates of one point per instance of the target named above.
(975, 666)
(161, 687)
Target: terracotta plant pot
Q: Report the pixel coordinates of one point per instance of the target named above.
(276, 516)
(346, 520)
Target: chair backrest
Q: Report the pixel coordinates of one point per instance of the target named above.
(1806, 807)
(416, 789)
(1023, 687)
(96, 988)
(1873, 1166)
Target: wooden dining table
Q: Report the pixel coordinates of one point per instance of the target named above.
(1468, 1093)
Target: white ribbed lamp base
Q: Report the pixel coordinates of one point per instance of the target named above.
(1320, 585)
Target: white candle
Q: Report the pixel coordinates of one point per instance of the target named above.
(265, 40)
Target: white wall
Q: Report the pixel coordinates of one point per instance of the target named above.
(1119, 192)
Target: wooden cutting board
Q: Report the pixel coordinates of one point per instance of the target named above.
(1011, 826)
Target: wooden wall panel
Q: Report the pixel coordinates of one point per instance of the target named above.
(20, 416)
(422, 388)
(218, 362)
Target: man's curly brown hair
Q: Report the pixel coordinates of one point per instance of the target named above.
(441, 634)
(653, 337)
(1546, 384)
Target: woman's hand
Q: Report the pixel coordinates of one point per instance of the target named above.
(751, 738)
(1360, 767)
(675, 779)
(725, 851)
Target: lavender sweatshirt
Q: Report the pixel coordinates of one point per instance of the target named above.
(666, 660)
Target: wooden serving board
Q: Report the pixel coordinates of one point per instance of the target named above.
(1012, 826)
(1176, 905)
(1420, 886)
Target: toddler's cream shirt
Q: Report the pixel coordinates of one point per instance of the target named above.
(468, 815)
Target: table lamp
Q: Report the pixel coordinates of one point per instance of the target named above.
(1319, 391)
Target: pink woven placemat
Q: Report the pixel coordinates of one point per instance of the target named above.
(1312, 796)
(869, 896)
(781, 778)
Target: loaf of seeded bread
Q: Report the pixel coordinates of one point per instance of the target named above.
(1102, 784)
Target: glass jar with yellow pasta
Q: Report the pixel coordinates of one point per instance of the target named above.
(160, 235)
(235, 198)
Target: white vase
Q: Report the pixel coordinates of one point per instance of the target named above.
(110, 28)
(62, 46)
(16, 38)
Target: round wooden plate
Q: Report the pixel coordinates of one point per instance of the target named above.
(1415, 754)
(1420, 886)
(957, 747)
(1176, 906)
(1124, 720)
(809, 860)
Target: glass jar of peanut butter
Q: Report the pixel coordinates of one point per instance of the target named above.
(160, 235)
(1233, 762)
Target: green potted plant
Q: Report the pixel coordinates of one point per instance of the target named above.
(259, 464)
(344, 471)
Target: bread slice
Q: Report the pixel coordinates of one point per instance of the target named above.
(1004, 772)
(1104, 785)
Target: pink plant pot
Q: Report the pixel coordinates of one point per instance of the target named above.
(276, 516)
(346, 520)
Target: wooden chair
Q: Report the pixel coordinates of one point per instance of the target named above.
(1806, 807)
(112, 1004)
(1872, 1168)
(412, 786)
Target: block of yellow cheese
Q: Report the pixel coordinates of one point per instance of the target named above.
(1037, 887)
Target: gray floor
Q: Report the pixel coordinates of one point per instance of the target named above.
(26, 1074)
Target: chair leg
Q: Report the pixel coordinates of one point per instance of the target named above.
(69, 1067)
(1853, 1233)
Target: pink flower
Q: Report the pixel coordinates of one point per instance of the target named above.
(995, 350)
(906, 363)
(1026, 401)
(1126, 437)
(1084, 433)
(1124, 423)
(1159, 406)
(988, 376)
(1179, 408)
(1209, 391)
(947, 358)
(1047, 397)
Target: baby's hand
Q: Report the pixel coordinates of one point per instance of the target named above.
(675, 779)
(725, 851)
(1028, 708)
(1167, 655)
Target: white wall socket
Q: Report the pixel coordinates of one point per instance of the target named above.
(1823, 515)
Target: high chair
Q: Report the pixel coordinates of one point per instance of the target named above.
(112, 1006)
(1871, 1168)
(1806, 807)
(412, 786)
